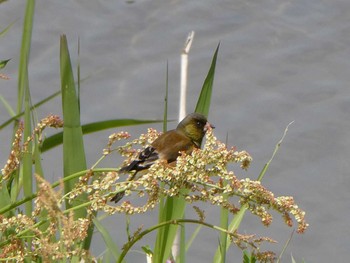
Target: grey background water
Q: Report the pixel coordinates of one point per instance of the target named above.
(279, 61)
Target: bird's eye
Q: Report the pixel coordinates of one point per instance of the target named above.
(199, 123)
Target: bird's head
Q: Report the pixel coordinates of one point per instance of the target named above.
(194, 126)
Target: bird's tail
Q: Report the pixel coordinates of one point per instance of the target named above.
(120, 195)
(132, 166)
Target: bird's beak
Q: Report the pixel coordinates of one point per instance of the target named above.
(208, 126)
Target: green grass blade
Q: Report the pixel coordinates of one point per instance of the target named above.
(223, 235)
(279, 260)
(8, 107)
(17, 116)
(25, 174)
(224, 217)
(112, 247)
(162, 211)
(26, 171)
(5, 199)
(162, 247)
(174, 208)
(182, 254)
(23, 92)
(25, 49)
(39, 171)
(203, 103)
(4, 31)
(165, 128)
(266, 166)
(193, 237)
(73, 147)
(218, 257)
(78, 73)
(57, 139)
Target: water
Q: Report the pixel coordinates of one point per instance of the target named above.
(279, 61)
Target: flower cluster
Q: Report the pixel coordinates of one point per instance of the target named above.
(205, 175)
(17, 149)
(16, 224)
(15, 154)
(52, 121)
(202, 175)
(56, 237)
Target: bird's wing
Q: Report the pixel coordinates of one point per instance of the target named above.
(166, 147)
(145, 159)
(170, 144)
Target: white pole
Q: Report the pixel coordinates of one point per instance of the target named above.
(182, 110)
(183, 76)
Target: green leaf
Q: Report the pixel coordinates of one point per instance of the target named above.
(3, 63)
(182, 248)
(3, 32)
(56, 139)
(25, 50)
(193, 237)
(25, 175)
(17, 116)
(173, 208)
(223, 235)
(73, 146)
(112, 247)
(4, 198)
(27, 161)
(203, 103)
(285, 247)
(7, 106)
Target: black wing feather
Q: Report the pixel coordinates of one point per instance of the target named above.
(145, 159)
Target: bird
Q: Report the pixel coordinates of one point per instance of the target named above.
(188, 135)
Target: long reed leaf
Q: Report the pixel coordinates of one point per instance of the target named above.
(203, 103)
(25, 49)
(174, 207)
(18, 115)
(57, 139)
(112, 247)
(23, 92)
(73, 146)
(7, 106)
(25, 172)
